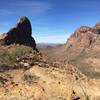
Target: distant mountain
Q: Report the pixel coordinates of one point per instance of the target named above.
(82, 49)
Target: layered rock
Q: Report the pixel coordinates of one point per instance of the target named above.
(20, 34)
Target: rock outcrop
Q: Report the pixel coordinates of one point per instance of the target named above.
(83, 50)
(20, 34)
(85, 36)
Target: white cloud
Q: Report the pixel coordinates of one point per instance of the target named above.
(25, 8)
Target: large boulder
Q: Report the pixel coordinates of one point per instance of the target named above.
(20, 34)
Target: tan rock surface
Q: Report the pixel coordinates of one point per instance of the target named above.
(39, 83)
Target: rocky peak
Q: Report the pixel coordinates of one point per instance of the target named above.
(83, 39)
(84, 35)
(25, 24)
(20, 34)
(97, 28)
(83, 29)
(98, 24)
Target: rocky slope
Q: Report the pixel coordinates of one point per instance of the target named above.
(41, 83)
(25, 75)
(82, 50)
(20, 34)
(84, 38)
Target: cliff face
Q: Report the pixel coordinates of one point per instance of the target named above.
(83, 39)
(20, 34)
(83, 50)
(84, 36)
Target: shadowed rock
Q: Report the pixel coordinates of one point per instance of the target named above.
(20, 34)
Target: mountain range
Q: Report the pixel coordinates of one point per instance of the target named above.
(30, 71)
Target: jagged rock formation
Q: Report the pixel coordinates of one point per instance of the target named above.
(82, 39)
(20, 34)
(83, 50)
(84, 36)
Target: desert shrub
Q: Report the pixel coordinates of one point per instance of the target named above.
(9, 55)
(30, 78)
(87, 69)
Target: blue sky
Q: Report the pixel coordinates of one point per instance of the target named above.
(53, 21)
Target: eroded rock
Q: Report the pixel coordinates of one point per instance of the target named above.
(20, 34)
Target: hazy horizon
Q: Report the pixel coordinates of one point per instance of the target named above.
(53, 21)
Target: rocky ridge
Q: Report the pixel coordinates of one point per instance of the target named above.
(82, 49)
(26, 75)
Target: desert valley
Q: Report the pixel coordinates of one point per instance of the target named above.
(31, 71)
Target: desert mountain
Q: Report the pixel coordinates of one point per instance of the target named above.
(20, 34)
(84, 38)
(82, 49)
(27, 75)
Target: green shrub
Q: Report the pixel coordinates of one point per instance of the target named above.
(8, 55)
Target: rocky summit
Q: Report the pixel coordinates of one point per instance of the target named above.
(20, 34)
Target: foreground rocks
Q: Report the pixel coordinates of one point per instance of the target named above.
(18, 57)
(20, 34)
(40, 83)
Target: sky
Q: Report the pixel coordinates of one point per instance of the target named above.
(53, 21)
